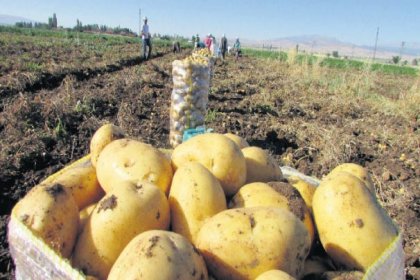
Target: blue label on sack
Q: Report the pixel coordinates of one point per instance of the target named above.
(191, 132)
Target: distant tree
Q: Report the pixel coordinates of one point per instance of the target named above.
(50, 22)
(396, 59)
(335, 54)
(415, 62)
(54, 21)
(405, 62)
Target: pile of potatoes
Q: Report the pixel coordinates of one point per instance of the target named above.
(213, 208)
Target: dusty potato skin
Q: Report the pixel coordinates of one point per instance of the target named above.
(243, 243)
(241, 142)
(127, 211)
(102, 137)
(195, 196)
(82, 181)
(52, 214)
(355, 170)
(274, 274)
(159, 254)
(260, 166)
(134, 161)
(353, 228)
(274, 194)
(220, 155)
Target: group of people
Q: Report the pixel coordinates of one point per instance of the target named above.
(216, 49)
(209, 42)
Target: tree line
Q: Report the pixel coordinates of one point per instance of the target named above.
(53, 24)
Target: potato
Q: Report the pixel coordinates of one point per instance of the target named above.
(274, 274)
(356, 170)
(274, 194)
(131, 160)
(102, 137)
(195, 196)
(158, 254)
(353, 228)
(305, 189)
(122, 214)
(51, 213)
(84, 215)
(245, 242)
(220, 155)
(260, 166)
(241, 142)
(80, 178)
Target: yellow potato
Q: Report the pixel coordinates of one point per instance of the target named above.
(305, 189)
(158, 254)
(260, 166)
(274, 274)
(220, 155)
(195, 196)
(241, 142)
(353, 228)
(245, 242)
(134, 161)
(80, 178)
(274, 194)
(122, 214)
(356, 170)
(84, 215)
(102, 137)
(52, 214)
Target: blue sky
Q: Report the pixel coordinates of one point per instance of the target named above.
(350, 21)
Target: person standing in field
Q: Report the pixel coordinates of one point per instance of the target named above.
(237, 49)
(146, 40)
(223, 46)
(208, 41)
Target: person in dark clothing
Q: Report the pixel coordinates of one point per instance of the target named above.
(176, 47)
(223, 46)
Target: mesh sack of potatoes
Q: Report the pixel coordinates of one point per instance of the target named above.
(189, 96)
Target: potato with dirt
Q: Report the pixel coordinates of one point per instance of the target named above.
(80, 178)
(220, 155)
(305, 189)
(353, 228)
(158, 254)
(125, 212)
(134, 161)
(245, 242)
(274, 194)
(51, 213)
(102, 137)
(195, 196)
(260, 166)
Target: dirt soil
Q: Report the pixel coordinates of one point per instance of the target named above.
(304, 126)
